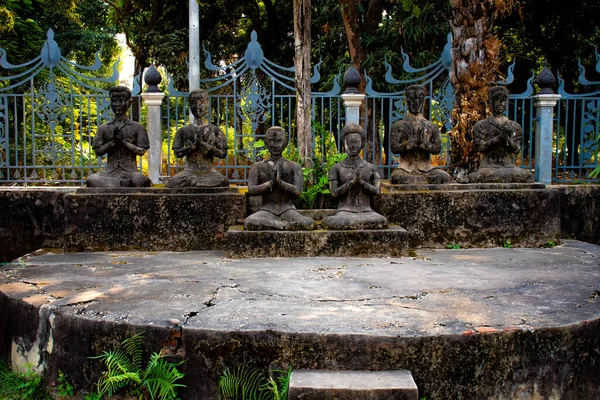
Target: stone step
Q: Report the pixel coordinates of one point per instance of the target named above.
(352, 385)
(391, 242)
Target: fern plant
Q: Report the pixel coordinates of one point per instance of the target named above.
(124, 369)
(243, 383)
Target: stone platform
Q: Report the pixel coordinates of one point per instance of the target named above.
(502, 323)
(473, 215)
(352, 243)
(177, 219)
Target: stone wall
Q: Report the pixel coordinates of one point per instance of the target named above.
(150, 219)
(31, 218)
(580, 212)
(483, 215)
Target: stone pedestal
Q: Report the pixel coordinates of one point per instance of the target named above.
(150, 218)
(473, 215)
(357, 243)
(352, 103)
(544, 130)
(153, 101)
(352, 385)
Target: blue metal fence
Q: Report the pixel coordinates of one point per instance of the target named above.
(576, 141)
(50, 109)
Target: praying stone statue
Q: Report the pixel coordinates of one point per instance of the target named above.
(279, 182)
(199, 143)
(122, 140)
(498, 139)
(416, 138)
(354, 181)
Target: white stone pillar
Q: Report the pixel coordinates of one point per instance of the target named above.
(544, 104)
(194, 49)
(352, 103)
(153, 101)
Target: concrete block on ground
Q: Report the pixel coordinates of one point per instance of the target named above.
(352, 385)
(351, 243)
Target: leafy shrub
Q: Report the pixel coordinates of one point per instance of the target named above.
(124, 369)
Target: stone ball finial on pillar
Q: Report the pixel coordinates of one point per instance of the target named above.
(545, 80)
(351, 80)
(152, 78)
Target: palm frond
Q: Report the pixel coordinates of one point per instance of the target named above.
(241, 383)
(111, 383)
(133, 346)
(160, 377)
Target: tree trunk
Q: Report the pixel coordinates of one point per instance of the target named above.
(357, 27)
(302, 26)
(354, 31)
(475, 64)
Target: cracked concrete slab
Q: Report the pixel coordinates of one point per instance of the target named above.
(437, 292)
(520, 320)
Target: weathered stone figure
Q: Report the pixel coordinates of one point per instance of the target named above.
(498, 139)
(122, 140)
(199, 143)
(416, 138)
(279, 182)
(354, 181)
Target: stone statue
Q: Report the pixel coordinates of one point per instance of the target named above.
(199, 143)
(354, 181)
(416, 138)
(122, 140)
(279, 182)
(498, 139)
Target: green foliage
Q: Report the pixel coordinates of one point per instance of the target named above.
(64, 387)
(549, 244)
(124, 369)
(419, 27)
(453, 246)
(596, 171)
(507, 244)
(262, 151)
(80, 29)
(22, 386)
(243, 383)
(316, 179)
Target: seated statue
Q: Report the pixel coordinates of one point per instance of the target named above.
(279, 182)
(122, 140)
(416, 138)
(354, 181)
(199, 143)
(498, 139)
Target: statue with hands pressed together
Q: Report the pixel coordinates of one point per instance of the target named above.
(498, 139)
(416, 139)
(279, 182)
(354, 181)
(199, 143)
(122, 140)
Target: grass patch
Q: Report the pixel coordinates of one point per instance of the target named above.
(21, 386)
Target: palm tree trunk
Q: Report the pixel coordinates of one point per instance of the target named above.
(475, 64)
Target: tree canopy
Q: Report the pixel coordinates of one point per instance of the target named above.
(368, 31)
(81, 28)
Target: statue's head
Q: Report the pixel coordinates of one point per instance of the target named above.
(120, 100)
(498, 98)
(198, 100)
(354, 137)
(276, 140)
(415, 97)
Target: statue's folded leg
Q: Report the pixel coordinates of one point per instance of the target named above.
(294, 221)
(263, 221)
(344, 220)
